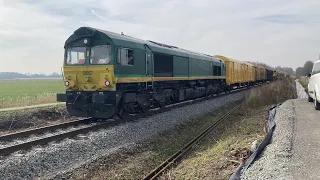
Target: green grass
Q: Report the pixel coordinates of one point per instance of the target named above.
(24, 92)
(304, 81)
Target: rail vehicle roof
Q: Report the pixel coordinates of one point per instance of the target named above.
(132, 42)
(249, 64)
(235, 60)
(231, 59)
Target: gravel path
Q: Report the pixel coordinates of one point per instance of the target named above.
(274, 161)
(306, 144)
(294, 150)
(300, 90)
(68, 153)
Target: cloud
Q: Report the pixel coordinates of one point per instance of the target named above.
(285, 33)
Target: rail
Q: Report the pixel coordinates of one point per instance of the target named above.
(42, 141)
(26, 133)
(175, 158)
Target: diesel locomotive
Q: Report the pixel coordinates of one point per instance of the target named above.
(107, 74)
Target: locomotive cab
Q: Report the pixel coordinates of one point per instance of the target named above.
(89, 74)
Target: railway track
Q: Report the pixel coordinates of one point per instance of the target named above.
(26, 133)
(183, 152)
(56, 137)
(28, 144)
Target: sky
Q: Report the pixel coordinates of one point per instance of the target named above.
(275, 32)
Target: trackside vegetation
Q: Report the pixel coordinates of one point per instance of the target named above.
(219, 155)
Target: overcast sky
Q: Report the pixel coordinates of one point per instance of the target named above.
(276, 32)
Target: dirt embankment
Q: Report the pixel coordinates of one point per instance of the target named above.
(11, 121)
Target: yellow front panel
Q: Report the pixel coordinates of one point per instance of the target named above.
(90, 78)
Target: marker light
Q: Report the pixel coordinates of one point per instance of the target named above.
(107, 83)
(66, 83)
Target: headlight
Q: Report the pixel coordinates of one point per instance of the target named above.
(107, 83)
(66, 83)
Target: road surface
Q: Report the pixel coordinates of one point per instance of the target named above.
(305, 160)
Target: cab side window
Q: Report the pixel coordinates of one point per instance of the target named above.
(316, 68)
(125, 56)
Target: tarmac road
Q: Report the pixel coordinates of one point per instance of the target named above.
(305, 160)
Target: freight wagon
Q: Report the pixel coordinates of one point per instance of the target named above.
(238, 73)
(270, 73)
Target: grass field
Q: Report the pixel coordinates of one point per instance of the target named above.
(25, 92)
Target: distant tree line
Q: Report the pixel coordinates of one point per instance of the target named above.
(288, 70)
(15, 75)
(305, 70)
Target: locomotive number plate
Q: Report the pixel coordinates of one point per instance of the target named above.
(87, 72)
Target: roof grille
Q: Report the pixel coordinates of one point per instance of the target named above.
(164, 45)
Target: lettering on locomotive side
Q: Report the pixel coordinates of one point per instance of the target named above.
(87, 73)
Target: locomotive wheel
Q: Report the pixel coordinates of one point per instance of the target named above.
(123, 114)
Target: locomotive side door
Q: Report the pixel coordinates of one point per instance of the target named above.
(148, 65)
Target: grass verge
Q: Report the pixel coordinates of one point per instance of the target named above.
(219, 154)
(26, 92)
(215, 158)
(304, 82)
(11, 121)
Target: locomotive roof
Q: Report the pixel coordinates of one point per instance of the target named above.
(125, 40)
